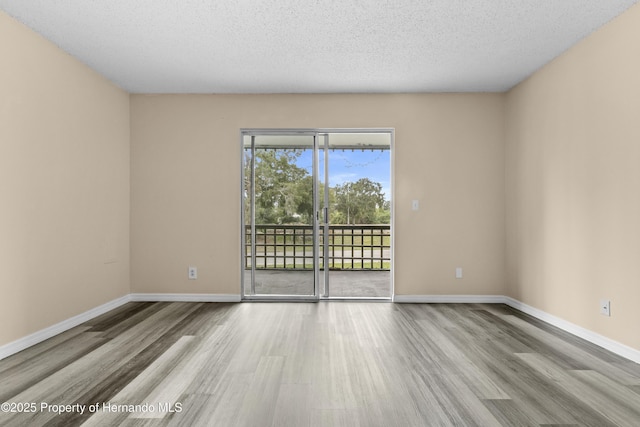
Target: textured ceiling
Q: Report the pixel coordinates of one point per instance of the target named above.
(315, 46)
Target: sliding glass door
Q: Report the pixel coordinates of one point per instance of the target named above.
(316, 214)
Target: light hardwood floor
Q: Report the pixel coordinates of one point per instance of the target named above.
(329, 363)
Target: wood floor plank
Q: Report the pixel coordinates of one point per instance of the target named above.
(293, 406)
(224, 406)
(561, 350)
(124, 313)
(601, 403)
(335, 418)
(622, 401)
(511, 413)
(175, 383)
(561, 405)
(145, 422)
(28, 354)
(332, 380)
(139, 388)
(301, 351)
(40, 366)
(258, 406)
(483, 386)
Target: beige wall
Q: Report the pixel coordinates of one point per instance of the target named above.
(573, 183)
(185, 185)
(64, 185)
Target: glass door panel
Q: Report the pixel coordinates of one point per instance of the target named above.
(280, 211)
(358, 230)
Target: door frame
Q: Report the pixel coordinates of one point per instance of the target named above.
(315, 132)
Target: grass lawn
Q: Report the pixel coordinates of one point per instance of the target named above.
(357, 265)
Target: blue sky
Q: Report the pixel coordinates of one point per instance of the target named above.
(350, 166)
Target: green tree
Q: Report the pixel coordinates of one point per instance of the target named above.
(359, 202)
(280, 185)
(284, 193)
(383, 214)
(299, 200)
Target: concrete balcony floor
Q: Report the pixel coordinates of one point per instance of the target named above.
(342, 283)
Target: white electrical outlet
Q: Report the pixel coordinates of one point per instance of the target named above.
(458, 272)
(193, 273)
(605, 307)
(415, 205)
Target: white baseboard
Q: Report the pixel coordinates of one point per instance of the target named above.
(449, 299)
(186, 297)
(43, 334)
(597, 339)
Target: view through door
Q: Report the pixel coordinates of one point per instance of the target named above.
(317, 214)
